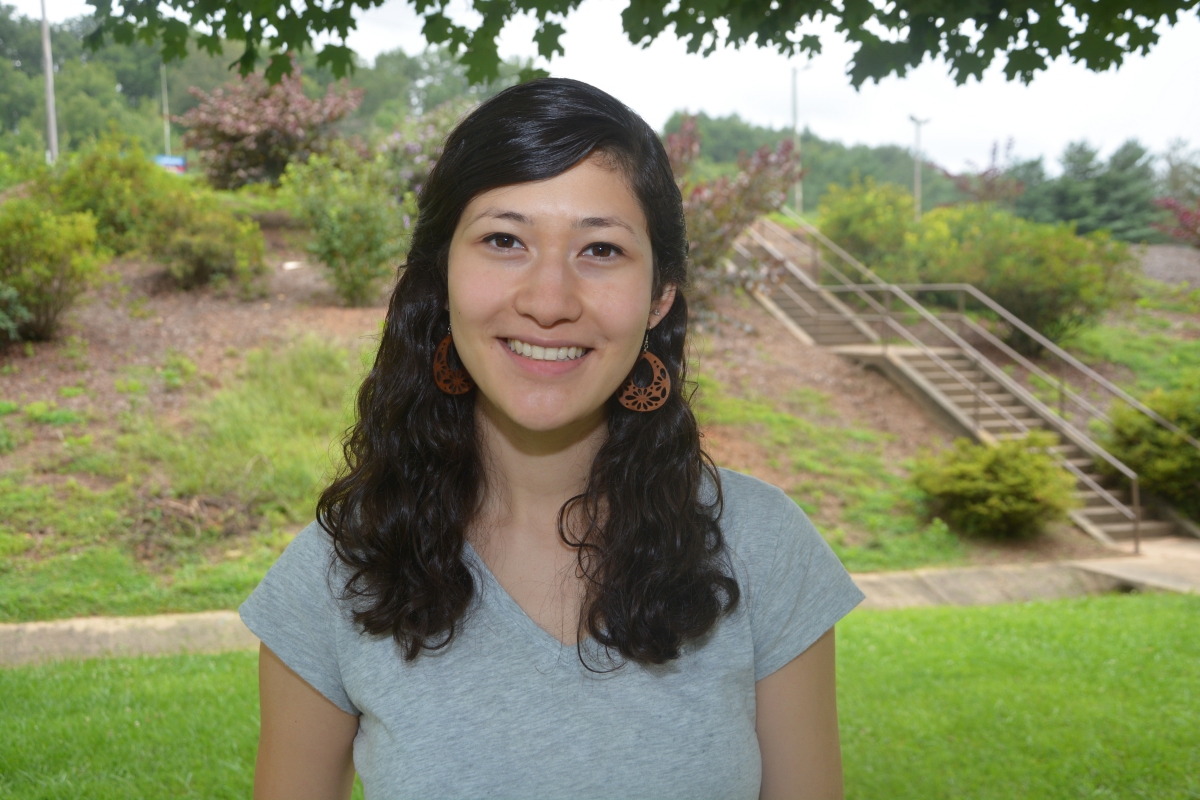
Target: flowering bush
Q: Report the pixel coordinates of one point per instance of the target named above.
(717, 211)
(412, 149)
(248, 131)
(1187, 220)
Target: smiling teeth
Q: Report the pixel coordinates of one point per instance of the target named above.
(545, 353)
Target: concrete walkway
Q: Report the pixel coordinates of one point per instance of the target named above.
(1169, 564)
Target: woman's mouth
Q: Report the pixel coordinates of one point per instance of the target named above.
(545, 353)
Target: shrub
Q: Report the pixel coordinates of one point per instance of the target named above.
(1006, 491)
(870, 221)
(135, 202)
(1050, 278)
(412, 149)
(1186, 227)
(1053, 280)
(48, 259)
(359, 229)
(139, 206)
(718, 210)
(215, 246)
(12, 314)
(248, 131)
(1167, 465)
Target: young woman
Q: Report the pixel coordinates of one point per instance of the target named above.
(529, 581)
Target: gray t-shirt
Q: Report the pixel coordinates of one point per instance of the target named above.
(508, 711)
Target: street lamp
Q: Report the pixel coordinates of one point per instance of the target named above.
(917, 166)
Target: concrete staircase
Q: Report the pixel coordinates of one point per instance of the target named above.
(960, 386)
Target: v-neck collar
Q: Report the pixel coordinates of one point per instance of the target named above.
(512, 611)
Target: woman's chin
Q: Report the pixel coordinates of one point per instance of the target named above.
(547, 415)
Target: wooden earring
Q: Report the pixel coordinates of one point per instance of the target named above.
(652, 396)
(450, 381)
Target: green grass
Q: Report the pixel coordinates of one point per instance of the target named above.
(1157, 340)
(260, 447)
(845, 463)
(1097, 697)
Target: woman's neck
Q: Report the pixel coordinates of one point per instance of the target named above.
(531, 474)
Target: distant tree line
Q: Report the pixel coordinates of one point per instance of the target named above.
(1123, 194)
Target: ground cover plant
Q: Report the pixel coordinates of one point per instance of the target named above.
(1073, 698)
(845, 465)
(159, 518)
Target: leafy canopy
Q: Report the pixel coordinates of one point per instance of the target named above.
(891, 37)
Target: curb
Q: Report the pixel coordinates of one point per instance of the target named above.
(221, 631)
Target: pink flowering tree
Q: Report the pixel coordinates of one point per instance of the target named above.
(718, 211)
(1187, 220)
(248, 131)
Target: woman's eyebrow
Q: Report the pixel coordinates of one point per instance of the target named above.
(511, 216)
(605, 222)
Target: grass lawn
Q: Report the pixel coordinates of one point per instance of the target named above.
(1157, 341)
(1097, 697)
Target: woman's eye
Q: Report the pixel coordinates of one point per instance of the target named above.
(503, 241)
(602, 250)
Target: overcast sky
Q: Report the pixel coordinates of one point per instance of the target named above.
(1152, 98)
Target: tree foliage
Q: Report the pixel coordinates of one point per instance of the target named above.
(1116, 195)
(825, 162)
(890, 38)
(1051, 278)
(718, 210)
(249, 130)
(1186, 227)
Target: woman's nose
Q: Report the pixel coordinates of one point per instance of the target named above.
(549, 290)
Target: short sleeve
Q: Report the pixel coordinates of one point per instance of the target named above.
(805, 592)
(294, 612)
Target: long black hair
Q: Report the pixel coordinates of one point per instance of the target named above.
(646, 523)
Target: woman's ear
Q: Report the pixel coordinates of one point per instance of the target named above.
(660, 307)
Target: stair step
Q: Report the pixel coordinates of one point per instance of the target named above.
(1124, 530)
(1109, 515)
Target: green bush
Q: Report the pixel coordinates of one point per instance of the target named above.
(1167, 465)
(135, 202)
(12, 314)
(141, 207)
(48, 259)
(359, 227)
(870, 221)
(1006, 491)
(213, 246)
(1050, 278)
(1053, 280)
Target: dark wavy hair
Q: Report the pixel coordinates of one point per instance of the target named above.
(645, 524)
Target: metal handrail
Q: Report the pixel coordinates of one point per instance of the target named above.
(982, 363)
(1059, 352)
(1008, 316)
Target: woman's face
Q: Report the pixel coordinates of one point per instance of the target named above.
(550, 294)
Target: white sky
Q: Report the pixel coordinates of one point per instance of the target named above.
(1147, 99)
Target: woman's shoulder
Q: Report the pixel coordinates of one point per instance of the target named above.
(755, 512)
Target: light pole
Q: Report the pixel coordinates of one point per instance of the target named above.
(166, 112)
(48, 68)
(798, 188)
(917, 166)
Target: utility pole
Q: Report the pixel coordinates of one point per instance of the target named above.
(798, 188)
(917, 166)
(166, 111)
(48, 68)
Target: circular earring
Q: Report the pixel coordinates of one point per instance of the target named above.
(449, 380)
(652, 396)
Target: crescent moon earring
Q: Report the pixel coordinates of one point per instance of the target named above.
(652, 396)
(449, 380)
